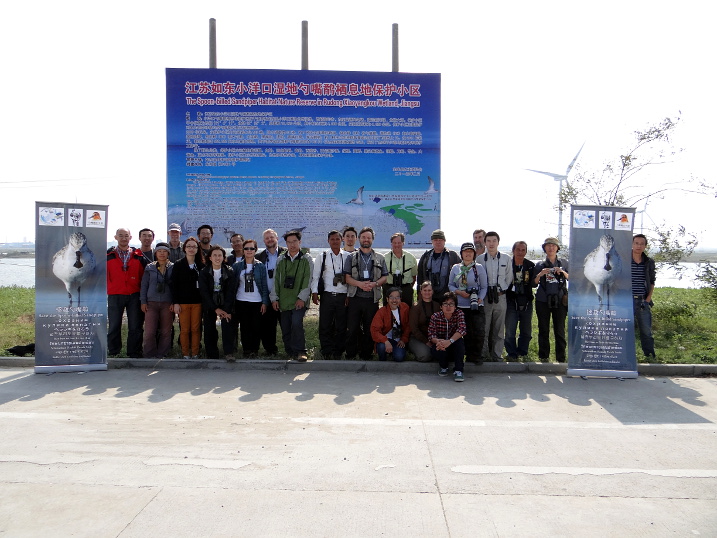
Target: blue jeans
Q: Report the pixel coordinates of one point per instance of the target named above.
(398, 353)
(643, 323)
(515, 319)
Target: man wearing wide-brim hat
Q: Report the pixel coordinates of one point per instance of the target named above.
(551, 275)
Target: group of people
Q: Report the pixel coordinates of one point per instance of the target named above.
(471, 305)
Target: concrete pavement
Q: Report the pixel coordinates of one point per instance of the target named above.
(246, 452)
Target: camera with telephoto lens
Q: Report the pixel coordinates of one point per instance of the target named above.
(493, 295)
(289, 282)
(249, 283)
(553, 301)
(475, 305)
(339, 279)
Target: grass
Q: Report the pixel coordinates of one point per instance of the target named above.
(684, 325)
(17, 317)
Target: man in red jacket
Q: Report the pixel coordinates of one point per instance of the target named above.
(125, 267)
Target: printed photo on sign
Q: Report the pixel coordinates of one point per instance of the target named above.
(583, 218)
(70, 289)
(623, 221)
(76, 217)
(600, 311)
(606, 220)
(95, 219)
(51, 216)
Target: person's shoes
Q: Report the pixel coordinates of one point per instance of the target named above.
(443, 372)
(302, 357)
(194, 357)
(186, 357)
(458, 376)
(230, 358)
(544, 359)
(512, 358)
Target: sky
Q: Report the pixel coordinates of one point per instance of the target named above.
(524, 85)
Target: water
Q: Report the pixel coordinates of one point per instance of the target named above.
(21, 272)
(17, 272)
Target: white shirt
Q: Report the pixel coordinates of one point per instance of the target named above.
(334, 267)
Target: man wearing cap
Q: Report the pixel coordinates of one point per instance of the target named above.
(436, 263)
(498, 267)
(550, 276)
(175, 245)
(175, 253)
(520, 304)
(469, 282)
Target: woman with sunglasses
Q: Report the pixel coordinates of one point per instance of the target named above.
(187, 300)
(252, 297)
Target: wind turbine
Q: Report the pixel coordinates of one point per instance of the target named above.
(561, 178)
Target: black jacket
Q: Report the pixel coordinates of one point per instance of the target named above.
(210, 300)
(184, 283)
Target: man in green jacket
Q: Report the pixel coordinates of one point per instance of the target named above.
(291, 293)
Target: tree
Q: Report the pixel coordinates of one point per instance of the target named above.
(674, 244)
(624, 181)
(707, 275)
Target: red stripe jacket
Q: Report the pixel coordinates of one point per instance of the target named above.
(127, 282)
